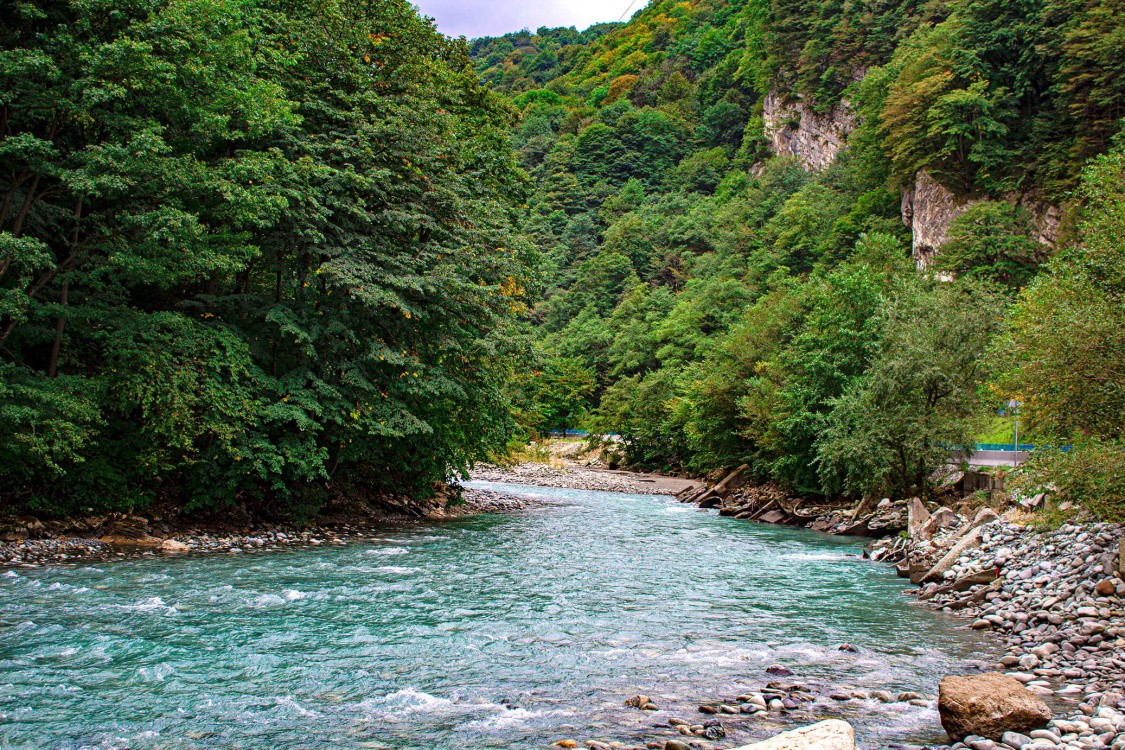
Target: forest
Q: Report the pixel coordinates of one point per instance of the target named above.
(249, 252)
(715, 302)
(271, 252)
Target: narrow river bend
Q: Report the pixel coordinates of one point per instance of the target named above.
(505, 631)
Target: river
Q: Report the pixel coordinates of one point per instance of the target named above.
(507, 631)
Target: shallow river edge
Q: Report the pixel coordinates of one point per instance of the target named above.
(1053, 600)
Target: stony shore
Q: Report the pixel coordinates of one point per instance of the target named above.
(1054, 600)
(31, 542)
(585, 478)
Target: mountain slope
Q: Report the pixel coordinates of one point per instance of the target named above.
(719, 200)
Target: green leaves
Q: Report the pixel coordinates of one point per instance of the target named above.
(1064, 354)
(270, 245)
(919, 399)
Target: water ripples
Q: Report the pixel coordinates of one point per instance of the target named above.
(505, 631)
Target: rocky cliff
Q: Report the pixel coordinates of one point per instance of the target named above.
(796, 129)
(928, 208)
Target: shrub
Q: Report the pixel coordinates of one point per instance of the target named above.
(1092, 475)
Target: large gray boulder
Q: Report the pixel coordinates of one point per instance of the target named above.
(917, 519)
(832, 734)
(988, 705)
(940, 519)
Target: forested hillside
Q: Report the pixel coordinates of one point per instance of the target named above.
(249, 251)
(277, 253)
(829, 239)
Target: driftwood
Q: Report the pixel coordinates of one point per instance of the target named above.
(764, 509)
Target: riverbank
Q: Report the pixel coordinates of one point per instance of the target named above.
(575, 477)
(30, 541)
(1053, 600)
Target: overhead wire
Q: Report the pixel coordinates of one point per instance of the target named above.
(619, 20)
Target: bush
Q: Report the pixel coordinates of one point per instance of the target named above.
(1091, 474)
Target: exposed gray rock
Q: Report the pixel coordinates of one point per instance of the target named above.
(917, 519)
(832, 734)
(794, 129)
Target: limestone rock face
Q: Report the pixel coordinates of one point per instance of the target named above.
(988, 705)
(928, 209)
(795, 129)
(833, 734)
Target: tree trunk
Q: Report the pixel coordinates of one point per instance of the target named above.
(60, 327)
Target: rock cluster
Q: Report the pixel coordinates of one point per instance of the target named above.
(487, 501)
(33, 542)
(42, 551)
(735, 495)
(1054, 600)
(1090, 728)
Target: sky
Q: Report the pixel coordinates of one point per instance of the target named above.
(473, 18)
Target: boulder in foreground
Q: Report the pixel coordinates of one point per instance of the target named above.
(833, 734)
(988, 705)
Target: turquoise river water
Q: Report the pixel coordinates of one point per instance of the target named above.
(509, 631)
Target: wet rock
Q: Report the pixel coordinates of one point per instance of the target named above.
(779, 671)
(988, 705)
(714, 731)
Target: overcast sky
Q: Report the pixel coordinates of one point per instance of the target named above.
(473, 18)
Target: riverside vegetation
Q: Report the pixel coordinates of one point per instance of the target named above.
(274, 256)
(720, 191)
(252, 255)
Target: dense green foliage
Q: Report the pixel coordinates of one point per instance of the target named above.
(273, 252)
(248, 251)
(1064, 352)
(730, 306)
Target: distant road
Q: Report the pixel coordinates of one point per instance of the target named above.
(997, 458)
